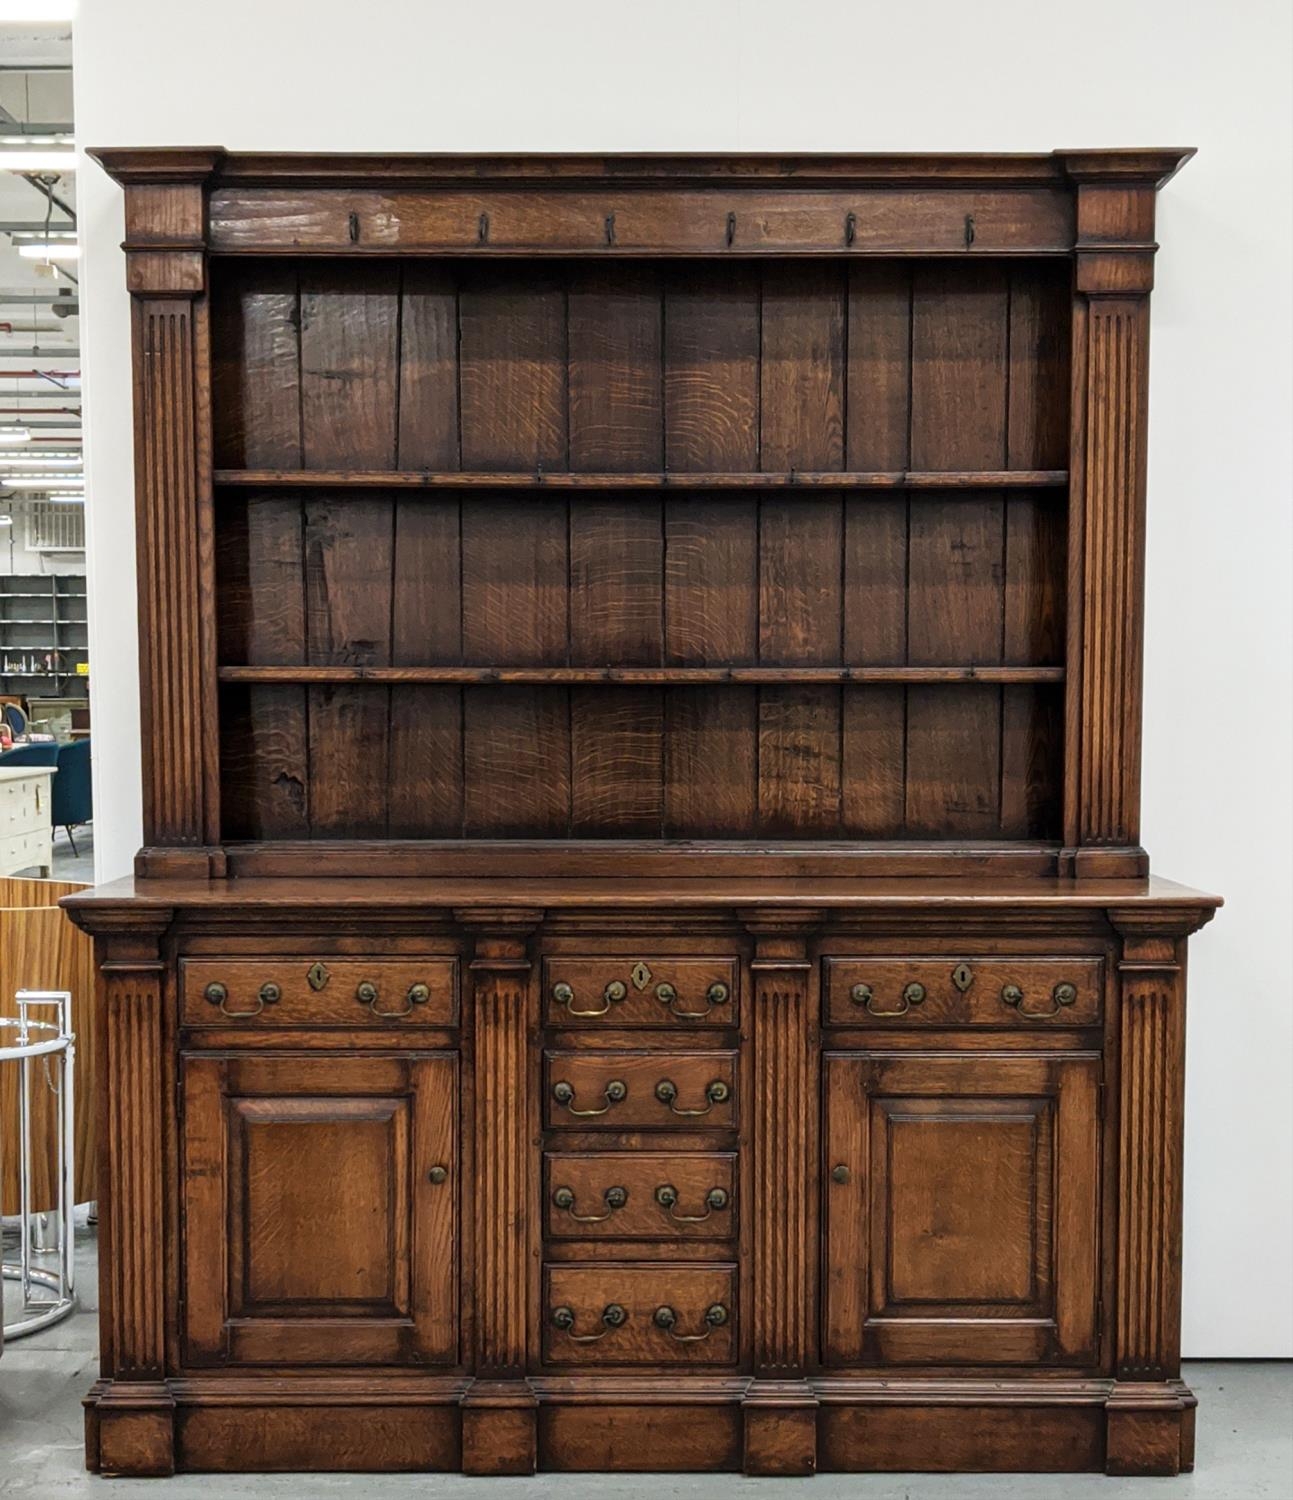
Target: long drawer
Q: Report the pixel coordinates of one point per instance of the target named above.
(319, 992)
(639, 1315)
(643, 1195)
(682, 992)
(993, 991)
(629, 1090)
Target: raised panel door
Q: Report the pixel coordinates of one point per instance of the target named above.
(961, 1202)
(320, 1207)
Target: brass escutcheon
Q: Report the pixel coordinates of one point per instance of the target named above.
(318, 975)
(963, 977)
(640, 975)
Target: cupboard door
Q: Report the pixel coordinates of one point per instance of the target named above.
(961, 1209)
(320, 1210)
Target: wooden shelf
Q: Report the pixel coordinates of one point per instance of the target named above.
(641, 676)
(963, 479)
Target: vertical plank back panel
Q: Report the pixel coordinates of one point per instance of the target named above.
(516, 741)
(616, 616)
(512, 378)
(711, 369)
(711, 607)
(256, 401)
(616, 381)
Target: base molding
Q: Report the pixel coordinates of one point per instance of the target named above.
(499, 1428)
(387, 1422)
(1151, 1428)
(780, 1428)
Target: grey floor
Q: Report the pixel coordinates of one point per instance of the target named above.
(68, 864)
(1245, 1449)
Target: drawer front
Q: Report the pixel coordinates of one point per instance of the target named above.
(639, 1315)
(321, 992)
(630, 1090)
(20, 851)
(969, 992)
(24, 806)
(640, 992)
(642, 1195)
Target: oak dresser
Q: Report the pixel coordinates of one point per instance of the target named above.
(642, 956)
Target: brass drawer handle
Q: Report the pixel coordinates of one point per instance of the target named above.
(218, 994)
(717, 994)
(1062, 995)
(366, 992)
(667, 1319)
(666, 1091)
(613, 1197)
(614, 992)
(913, 994)
(615, 1092)
(613, 1316)
(666, 1195)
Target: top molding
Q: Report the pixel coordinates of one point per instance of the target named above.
(213, 165)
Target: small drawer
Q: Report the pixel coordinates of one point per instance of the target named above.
(639, 1315)
(319, 992)
(630, 1090)
(640, 1195)
(963, 992)
(640, 992)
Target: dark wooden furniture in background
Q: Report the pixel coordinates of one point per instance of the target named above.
(642, 956)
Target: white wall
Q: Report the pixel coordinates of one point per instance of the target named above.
(840, 75)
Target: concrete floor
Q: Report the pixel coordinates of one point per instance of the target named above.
(1245, 1447)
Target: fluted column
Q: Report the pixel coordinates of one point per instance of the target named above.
(781, 1090)
(499, 1409)
(1151, 1413)
(166, 274)
(1110, 390)
(129, 1419)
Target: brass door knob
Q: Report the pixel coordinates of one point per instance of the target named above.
(438, 1175)
(840, 1173)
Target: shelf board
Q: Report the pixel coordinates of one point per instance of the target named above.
(640, 676)
(964, 479)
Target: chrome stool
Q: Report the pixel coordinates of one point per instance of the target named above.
(47, 1292)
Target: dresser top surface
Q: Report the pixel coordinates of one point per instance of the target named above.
(775, 893)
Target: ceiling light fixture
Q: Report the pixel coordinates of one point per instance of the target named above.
(49, 249)
(66, 497)
(39, 461)
(11, 436)
(25, 11)
(36, 481)
(37, 160)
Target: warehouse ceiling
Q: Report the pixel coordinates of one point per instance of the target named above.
(39, 325)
